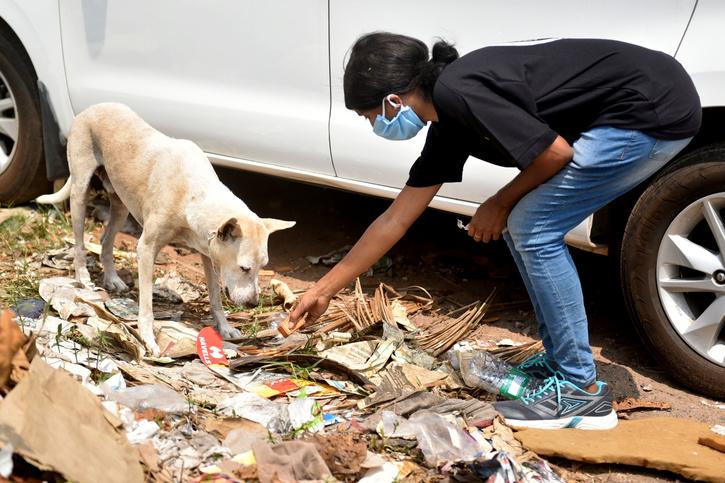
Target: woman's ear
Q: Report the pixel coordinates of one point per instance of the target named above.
(394, 101)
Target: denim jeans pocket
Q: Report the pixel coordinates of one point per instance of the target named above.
(664, 149)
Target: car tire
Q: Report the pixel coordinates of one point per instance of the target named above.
(655, 282)
(24, 176)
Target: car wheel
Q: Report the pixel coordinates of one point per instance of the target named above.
(22, 166)
(672, 267)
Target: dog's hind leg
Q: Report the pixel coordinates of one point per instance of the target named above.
(83, 164)
(119, 213)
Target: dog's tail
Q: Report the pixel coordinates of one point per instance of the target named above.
(57, 197)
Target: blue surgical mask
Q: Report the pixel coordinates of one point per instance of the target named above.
(404, 125)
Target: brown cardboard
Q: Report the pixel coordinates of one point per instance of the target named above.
(56, 424)
(663, 443)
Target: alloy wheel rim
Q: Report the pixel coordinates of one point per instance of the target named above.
(691, 276)
(8, 124)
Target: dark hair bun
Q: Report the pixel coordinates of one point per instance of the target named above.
(443, 53)
(383, 63)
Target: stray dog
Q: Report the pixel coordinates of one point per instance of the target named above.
(170, 188)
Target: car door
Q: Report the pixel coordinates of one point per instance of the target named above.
(360, 155)
(245, 80)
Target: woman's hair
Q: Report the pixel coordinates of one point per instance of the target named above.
(383, 63)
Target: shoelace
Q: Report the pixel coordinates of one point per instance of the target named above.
(552, 383)
(537, 360)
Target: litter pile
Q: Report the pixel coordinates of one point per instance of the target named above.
(365, 394)
(349, 398)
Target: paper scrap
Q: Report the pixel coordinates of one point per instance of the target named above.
(78, 438)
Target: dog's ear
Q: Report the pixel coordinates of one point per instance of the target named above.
(273, 225)
(229, 230)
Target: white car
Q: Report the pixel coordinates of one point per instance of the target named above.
(258, 85)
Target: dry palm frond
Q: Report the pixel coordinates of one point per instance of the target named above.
(357, 311)
(518, 354)
(441, 336)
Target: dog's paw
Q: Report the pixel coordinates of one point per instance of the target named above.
(114, 283)
(84, 277)
(152, 348)
(229, 332)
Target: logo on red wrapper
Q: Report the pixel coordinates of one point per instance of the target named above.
(209, 347)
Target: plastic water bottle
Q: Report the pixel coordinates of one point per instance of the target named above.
(484, 370)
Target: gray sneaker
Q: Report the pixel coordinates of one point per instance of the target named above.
(560, 404)
(538, 366)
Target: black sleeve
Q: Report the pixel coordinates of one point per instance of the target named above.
(504, 110)
(441, 160)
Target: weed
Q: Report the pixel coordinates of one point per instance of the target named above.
(23, 238)
(250, 330)
(266, 304)
(103, 341)
(297, 371)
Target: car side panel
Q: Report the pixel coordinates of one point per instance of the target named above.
(702, 51)
(241, 78)
(360, 155)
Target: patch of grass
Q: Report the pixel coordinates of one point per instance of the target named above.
(29, 234)
(266, 304)
(23, 285)
(24, 238)
(250, 330)
(297, 371)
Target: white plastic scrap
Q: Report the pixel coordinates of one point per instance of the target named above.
(6, 460)
(141, 431)
(393, 426)
(440, 441)
(176, 451)
(382, 474)
(150, 396)
(272, 415)
(301, 414)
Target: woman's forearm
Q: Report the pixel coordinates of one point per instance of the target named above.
(380, 236)
(541, 170)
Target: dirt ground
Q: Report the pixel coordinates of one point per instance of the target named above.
(435, 254)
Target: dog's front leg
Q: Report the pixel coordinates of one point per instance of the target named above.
(215, 301)
(148, 248)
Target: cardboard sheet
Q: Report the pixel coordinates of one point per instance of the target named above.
(57, 424)
(663, 443)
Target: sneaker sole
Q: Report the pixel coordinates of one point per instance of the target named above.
(579, 422)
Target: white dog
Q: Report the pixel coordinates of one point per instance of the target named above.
(170, 188)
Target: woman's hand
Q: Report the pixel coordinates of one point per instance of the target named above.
(382, 234)
(491, 217)
(313, 304)
(489, 220)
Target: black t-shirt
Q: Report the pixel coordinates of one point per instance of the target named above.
(506, 104)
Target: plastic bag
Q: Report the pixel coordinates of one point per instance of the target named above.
(441, 441)
(150, 396)
(393, 426)
(272, 415)
(501, 468)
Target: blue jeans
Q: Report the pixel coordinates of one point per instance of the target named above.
(607, 162)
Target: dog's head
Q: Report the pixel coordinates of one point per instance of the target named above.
(238, 249)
